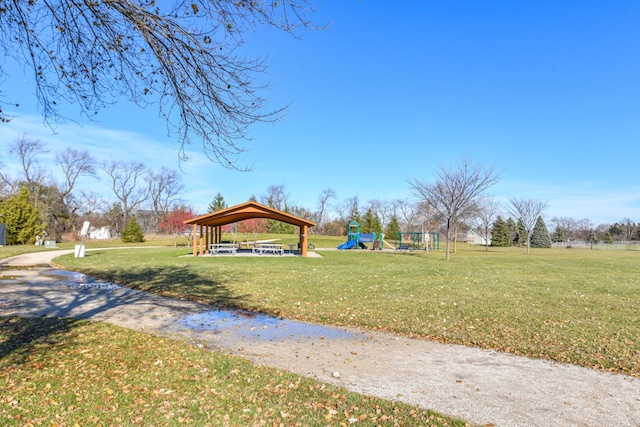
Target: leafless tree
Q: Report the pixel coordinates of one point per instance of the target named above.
(74, 163)
(528, 210)
(163, 188)
(28, 151)
(409, 213)
(127, 183)
(455, 192)
(323, 206)
(275, 197)
(184, 57)
(487, 211)
(348, 209)
(568, 226)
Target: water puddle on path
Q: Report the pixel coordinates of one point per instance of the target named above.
(247, 325)
(76, 280)
(258, 326)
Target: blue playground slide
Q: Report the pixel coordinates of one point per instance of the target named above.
(347, 245)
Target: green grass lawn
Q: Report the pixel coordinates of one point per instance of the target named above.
(577, 306)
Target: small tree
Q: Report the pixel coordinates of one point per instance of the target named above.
(558, 235)
(174, 223)
(522, 236)
(217, 204)
(528, 210)
(500, 236)
(21, 218)
(608, 239)
(540, 236)
(393, 227)
(592, 239)
(132, 232)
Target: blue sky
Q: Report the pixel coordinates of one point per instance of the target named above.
(548, 92)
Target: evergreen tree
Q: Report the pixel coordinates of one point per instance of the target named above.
(522, 235)
(217, 204)
(558, 235)
(500, 236)
(591, 238)
(21, 218)
(371, 222)
(393, 227)
(513, 231)
(540, 235)
(608, 239)
(132, 232)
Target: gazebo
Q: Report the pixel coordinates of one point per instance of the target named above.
(211, 224)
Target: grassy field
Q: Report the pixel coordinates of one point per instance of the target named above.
(58, 372)
(577, 306)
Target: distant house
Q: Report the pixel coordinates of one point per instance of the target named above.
(476, 239)
(101, 233)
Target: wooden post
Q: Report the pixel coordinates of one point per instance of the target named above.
(201, 241)
(193, 244)
(303, 240)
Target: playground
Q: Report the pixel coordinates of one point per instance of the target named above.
(403, 241)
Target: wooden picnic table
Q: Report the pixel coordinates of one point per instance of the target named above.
(214, 248)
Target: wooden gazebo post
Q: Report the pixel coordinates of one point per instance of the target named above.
(304, 230)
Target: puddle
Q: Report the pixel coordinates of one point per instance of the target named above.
(248, 325)
(263, 327)
(75, 280)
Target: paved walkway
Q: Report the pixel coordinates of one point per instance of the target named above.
(480, 386)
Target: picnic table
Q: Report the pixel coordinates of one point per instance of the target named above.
(273, 248)
(214, 248)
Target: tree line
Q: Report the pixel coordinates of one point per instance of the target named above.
(452, 204)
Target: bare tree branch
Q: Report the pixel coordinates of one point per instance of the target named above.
(182, 56)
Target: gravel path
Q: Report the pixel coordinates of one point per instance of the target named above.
(480, 386)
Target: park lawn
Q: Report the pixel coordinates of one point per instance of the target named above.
(576, 306)
(65, 372)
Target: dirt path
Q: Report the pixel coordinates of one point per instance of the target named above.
(483, 387)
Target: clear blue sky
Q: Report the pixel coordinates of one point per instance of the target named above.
(547, 91)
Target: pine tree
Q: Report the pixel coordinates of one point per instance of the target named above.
(540, 235)
(500, 236)
(608, 239)
(522, 235)
(21, 218)
(217, 204)
(132, 232)
(513, 231)
(558, 235)
(371, 222)
(393, 227)
(592, 239)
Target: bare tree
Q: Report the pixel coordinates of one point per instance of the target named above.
(127, 184)
(275, 197)
(348, 209)
(74, 163)
(409, 214)
(163, 187)
(567, 226)
(487, 211)
(29, 151)
(323, 206)
(455, 192)
(528, 210)
(182, 56)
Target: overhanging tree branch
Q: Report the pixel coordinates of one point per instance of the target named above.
(182, 56)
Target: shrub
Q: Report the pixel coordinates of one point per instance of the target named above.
(132, 232)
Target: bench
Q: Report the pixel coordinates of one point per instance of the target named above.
(214, 248)
(403, 247)
(274, 248)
